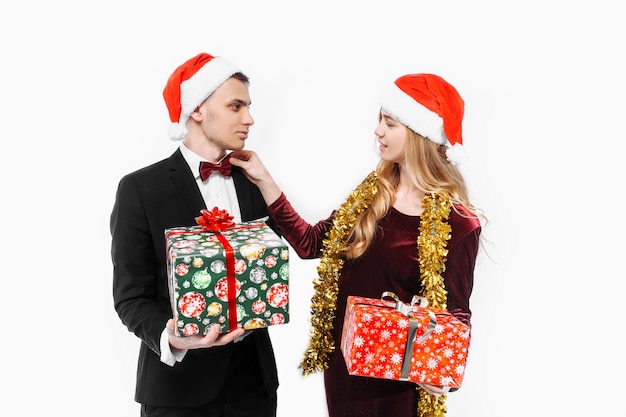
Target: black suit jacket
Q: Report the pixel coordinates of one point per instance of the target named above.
(148, 201)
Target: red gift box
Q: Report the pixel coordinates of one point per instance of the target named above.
(405, 342)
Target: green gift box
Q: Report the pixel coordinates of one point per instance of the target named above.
(241, 271)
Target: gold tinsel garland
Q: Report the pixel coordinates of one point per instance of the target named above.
(434, 232)
(324, 301)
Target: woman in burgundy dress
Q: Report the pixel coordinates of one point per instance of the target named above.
(377, 240)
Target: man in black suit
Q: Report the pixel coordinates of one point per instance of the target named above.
(218, 375)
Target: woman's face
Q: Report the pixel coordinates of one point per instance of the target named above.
(391, 138)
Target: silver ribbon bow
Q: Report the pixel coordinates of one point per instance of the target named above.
(410, 310)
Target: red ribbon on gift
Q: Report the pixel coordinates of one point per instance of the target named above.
(215, 220)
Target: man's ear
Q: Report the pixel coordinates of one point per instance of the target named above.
(196, 114)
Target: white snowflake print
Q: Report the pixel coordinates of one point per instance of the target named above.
(446, 381)
(358, 341)
(396, 358)
(431, 363)
(367, 317)
(438, 329)
(389, 374)
(448, 352)
(459, 370)
(369, 357)
(385, 334)
(403, 323)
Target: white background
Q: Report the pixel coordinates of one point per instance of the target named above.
(543, 81)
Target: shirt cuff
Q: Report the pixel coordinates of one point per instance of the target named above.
(170, 356)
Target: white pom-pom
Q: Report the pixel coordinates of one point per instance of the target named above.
(176, 131)
(456, 154)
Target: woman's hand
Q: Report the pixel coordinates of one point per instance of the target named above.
(256, 172)
(434, 390)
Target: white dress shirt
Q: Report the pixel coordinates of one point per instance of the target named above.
(217, 191)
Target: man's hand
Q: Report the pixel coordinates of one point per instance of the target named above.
(212, 338)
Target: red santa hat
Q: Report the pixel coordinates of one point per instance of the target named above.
(431, 107)
(189, 85)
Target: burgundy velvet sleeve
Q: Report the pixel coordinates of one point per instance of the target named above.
(459, 273)
(306, 239)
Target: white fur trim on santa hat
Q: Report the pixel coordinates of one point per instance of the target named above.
(456, 154)
(414, 115)
(176, 131)
(197, 88)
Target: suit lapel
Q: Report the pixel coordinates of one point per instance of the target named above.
(184, 181)
(242, 186)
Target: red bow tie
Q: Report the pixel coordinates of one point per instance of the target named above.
(223, 167)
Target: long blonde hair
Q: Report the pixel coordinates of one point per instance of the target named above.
(428, 169)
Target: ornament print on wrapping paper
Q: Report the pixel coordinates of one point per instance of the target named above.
(200, 292)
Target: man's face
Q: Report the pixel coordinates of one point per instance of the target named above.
(226, 115)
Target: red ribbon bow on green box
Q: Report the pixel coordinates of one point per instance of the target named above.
(215, 220)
